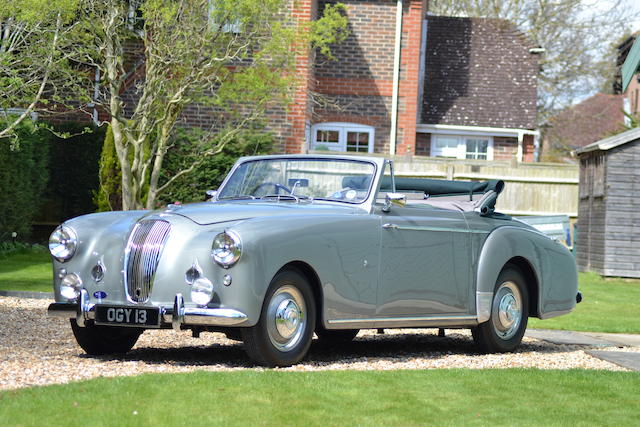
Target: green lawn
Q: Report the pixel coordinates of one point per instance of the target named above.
(26, 271)
(609, 305)
(442, 397)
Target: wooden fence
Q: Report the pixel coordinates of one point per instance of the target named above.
(530, 188)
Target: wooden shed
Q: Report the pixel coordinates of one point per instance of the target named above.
(608, 240)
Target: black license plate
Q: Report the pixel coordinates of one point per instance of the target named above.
(127, 315)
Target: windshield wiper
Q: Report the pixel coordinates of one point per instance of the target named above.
(238, 197)
(285, 197)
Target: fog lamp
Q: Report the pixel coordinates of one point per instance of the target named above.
(201, 291)
(70, 286)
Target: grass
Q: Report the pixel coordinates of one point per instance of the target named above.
(28, 270)
(443, 397)
(609, 305)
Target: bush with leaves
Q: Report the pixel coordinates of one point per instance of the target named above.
(108, 196)
(23, 178)
(73, 166)
(208, 175)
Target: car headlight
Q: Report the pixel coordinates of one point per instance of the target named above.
(202, 291)
(226, 248)
(63, 243)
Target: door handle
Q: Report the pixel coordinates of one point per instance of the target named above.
(391, 226)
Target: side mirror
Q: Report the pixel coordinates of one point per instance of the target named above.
(397, 199)
(210, 194)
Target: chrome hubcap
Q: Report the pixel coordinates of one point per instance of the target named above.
(286, 318)
(507, 310)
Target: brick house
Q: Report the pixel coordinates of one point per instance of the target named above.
(406, 83)
(460, 87)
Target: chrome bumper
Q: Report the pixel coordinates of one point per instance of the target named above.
(177, 316)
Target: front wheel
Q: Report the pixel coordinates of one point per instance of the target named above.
(99, 340)
(509, 314)
(283, 334)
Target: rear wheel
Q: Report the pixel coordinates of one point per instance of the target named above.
(99, 340)
(509, 314)
(283, 334)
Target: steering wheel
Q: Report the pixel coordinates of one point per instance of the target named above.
(276, 187)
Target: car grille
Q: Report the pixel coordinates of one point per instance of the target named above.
(143, 253)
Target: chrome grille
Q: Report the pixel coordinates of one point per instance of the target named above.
(143, 253)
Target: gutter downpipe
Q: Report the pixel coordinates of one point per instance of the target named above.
(520, 152)
(396, 80)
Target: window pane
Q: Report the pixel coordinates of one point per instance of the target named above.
(445, 147)
(358, 142)
(477, 148)
(471, 145)
(331, 136)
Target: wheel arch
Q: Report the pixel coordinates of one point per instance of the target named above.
(312, 276)
(503, 246)
(531, 281)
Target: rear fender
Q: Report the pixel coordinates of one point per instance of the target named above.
(553, 268)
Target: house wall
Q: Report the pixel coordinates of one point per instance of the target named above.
(504, 148)
(357, 86)
(622, 233)
(633, 94)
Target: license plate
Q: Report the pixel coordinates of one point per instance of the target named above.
(127, 315)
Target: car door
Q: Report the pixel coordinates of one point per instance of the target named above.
(425, 266)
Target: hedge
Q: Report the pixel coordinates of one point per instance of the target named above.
(23, 178)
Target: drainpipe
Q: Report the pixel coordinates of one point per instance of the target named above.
(520, 152)
(396, 80)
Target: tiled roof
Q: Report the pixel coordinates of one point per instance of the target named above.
(587, 122)
(478, 72)
(612, 141)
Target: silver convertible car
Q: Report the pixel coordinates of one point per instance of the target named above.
(294, 245)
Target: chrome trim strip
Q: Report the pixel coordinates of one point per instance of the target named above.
(483, 305)
(427, 228)
(401, 319)
(182, 315)
(551, 314)
(65, 310)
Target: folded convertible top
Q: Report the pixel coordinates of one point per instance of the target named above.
(441, 187)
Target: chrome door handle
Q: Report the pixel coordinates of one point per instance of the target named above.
(390, 226)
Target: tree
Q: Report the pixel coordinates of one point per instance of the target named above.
(34, 70)
(576, 36)
(236, 58)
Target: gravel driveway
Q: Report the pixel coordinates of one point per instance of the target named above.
(36, 350)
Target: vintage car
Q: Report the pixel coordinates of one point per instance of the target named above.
(293, 245)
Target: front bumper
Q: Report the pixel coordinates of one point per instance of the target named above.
(176, 316)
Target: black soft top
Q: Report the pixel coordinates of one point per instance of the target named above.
(430, 187)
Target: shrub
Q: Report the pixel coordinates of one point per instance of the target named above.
(23, 177)
(73, 166)
(209, 175)
(108, 195)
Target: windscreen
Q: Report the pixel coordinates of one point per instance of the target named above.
(339, 180)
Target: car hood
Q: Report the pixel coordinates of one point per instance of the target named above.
(215, 212)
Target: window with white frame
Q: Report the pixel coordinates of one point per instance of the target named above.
(462, 147)
(340, 136)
